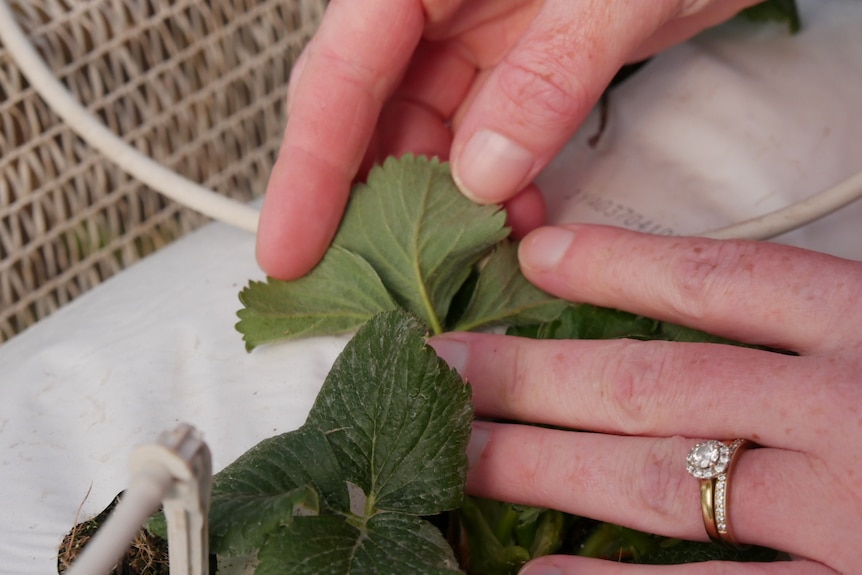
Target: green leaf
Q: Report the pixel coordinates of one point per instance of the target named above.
(490, 527)
(338, 296)
(674, 332)
(268, 485)
(420, 234)
(503, 295)
(585, 321)
(618, 543)
(779, 11)
(397, 418)
(384, 442)
(550, 532)
(675, 552)
(387, 543)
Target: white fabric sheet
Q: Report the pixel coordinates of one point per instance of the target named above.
(733, 124)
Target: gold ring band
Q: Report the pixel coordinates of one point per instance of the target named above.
(712, 462)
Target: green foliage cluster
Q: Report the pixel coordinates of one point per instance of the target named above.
(384, 445)
(385, 441)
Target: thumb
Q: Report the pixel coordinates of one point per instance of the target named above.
(539, 93)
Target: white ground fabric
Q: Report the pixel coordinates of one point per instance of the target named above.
(738, 122)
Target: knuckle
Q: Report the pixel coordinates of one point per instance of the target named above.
(438, 11)
(660, 489)
(515, 389)
(348, 71)
(710, 271)
(691, 7)
(535, 472)
(542, 86)
(633, 378)
(535, 372)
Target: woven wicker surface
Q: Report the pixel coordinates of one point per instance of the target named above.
(196, 84)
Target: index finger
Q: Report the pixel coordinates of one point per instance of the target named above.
(357, 57)
(756, 292)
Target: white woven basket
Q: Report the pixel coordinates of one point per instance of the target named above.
(198, 85)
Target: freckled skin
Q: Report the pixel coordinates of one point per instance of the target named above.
(342, 106)
(642, 405)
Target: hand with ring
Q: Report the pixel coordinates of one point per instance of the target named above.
(685, 440)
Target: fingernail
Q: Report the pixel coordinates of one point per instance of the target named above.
(491, 167)
(478, 440)
(451, 350)
(540, 568)
(544, 248)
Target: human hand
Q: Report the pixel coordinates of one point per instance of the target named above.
(497, 87)
(646, 403)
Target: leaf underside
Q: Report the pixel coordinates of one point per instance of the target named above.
(410, 222)
(338, 296)
(408, 239)
(503, 296)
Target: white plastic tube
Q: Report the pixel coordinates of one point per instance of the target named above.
(795, 215)
(142, 498)
(177, 472)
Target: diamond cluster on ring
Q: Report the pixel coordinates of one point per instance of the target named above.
(708, 459)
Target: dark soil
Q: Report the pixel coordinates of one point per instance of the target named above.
(147, 555)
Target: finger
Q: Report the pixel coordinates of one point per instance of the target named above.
(438, 78)
(642, 483)
(543, 88)
(408, 127)
(568, 565)
(486, 30)
(416, 119)
(350, 70)
(757, 292)
(525, 211)
(657, 388)
(296, 74)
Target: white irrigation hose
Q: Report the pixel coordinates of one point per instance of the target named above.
(142, 498)
(795, 215)
(211, 204)
(175, 471)
(95, 133)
